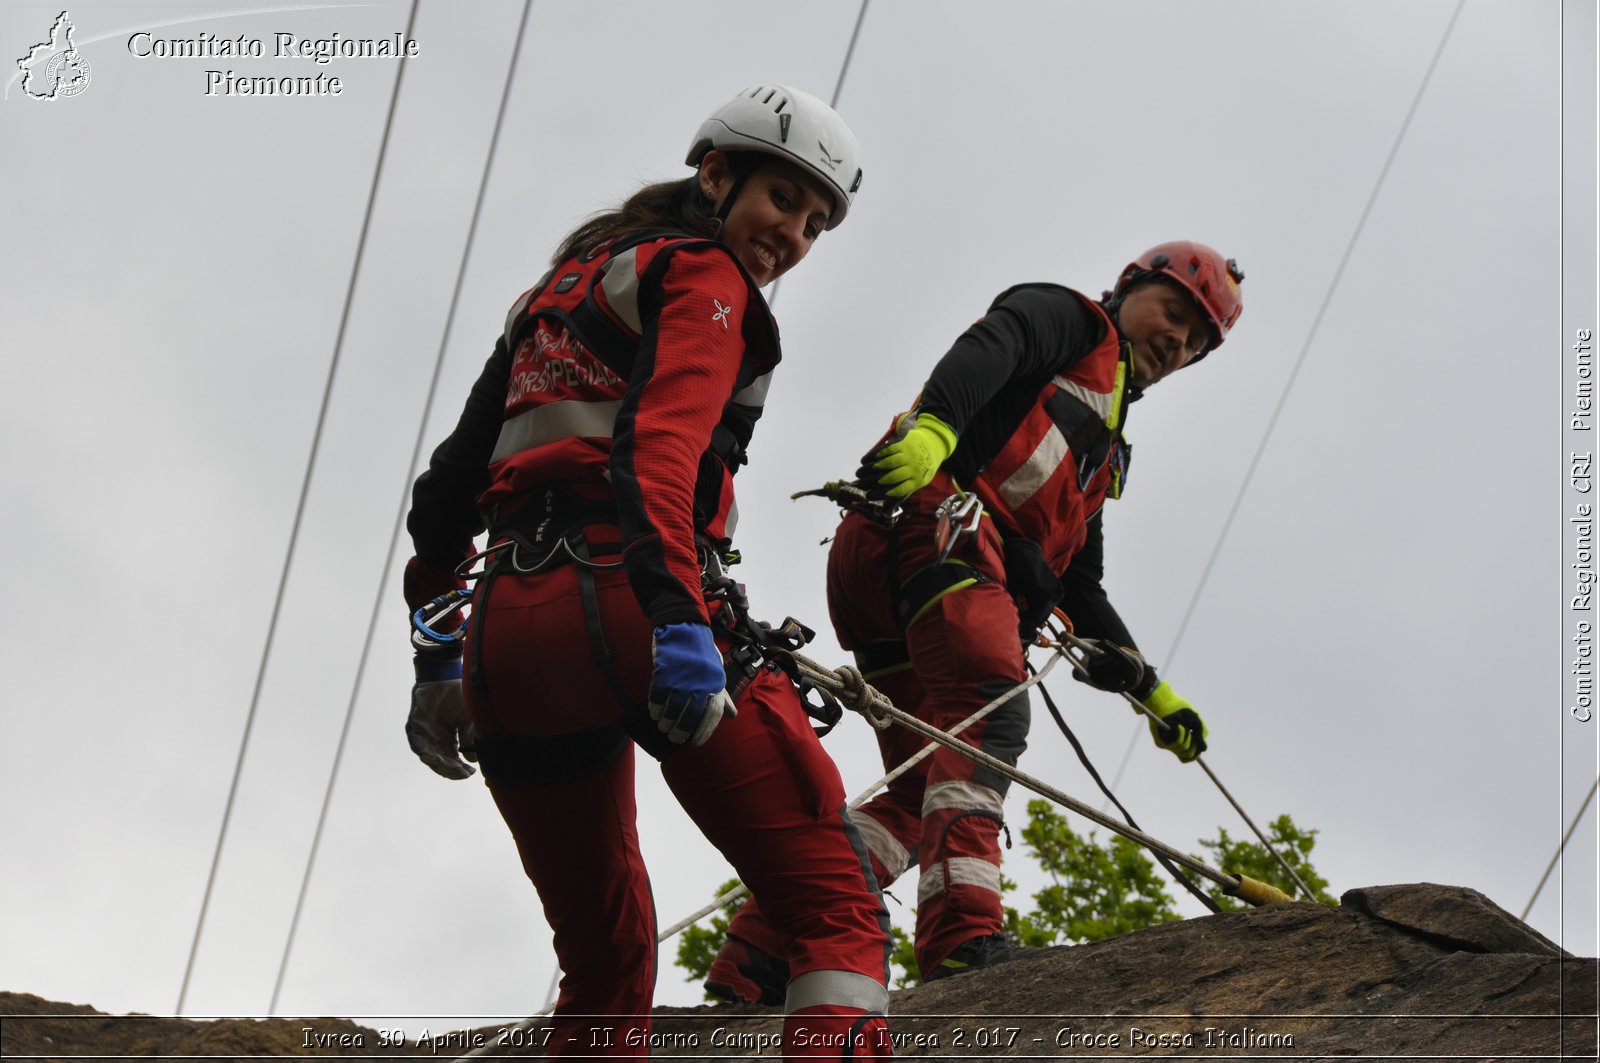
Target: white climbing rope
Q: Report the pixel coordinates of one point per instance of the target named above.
(854, 692)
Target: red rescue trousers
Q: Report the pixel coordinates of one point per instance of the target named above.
(939, 646)
(761, 790)
(940, 656)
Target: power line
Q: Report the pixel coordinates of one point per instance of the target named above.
(1294, 373)
(838, 87)
(1559, 850)
(405, 496)
(294, 534)
(849, 54)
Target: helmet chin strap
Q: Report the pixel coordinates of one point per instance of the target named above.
(733, 194)
(1111, 302)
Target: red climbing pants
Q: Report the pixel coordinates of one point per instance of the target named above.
(940, 642)
(761, 790)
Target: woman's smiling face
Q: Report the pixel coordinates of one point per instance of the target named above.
(779, 212)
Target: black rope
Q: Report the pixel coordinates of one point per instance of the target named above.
(1077, 747)
(399, 523)
(294, 534)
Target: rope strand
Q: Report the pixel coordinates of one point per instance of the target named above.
(854, 692)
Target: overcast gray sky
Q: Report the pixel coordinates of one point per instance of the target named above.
(1379, 649)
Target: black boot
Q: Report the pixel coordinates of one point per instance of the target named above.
(978, 952)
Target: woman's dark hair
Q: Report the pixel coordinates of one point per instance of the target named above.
(674, 206)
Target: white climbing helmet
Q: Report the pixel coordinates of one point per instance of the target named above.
(792, 125)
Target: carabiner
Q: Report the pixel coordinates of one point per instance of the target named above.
(851, 496)
(424, 639)
(957, 517)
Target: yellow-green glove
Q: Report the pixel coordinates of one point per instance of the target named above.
(1180, 728)
(907, 462)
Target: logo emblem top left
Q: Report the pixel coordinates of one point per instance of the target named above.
(54, 69)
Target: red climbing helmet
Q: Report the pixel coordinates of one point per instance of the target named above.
(1211, 279)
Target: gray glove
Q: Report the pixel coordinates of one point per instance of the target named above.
(439, 729)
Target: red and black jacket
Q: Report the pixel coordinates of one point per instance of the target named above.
(1045, 361)
(637, 375)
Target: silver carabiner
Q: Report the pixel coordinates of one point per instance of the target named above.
(956, 518)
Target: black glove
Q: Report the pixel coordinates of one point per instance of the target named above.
(1033, 585)
(1107, 666)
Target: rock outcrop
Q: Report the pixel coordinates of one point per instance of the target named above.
(1420, 970)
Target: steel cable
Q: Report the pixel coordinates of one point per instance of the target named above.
(1294, 373)
(399, 523)
(294, 533)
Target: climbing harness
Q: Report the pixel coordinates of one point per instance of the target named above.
(549, 531)
(545, 532)
(956, 518)
(757, 645)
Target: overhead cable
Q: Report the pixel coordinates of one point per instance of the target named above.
(833, 101)
(405, 496)
(1294, 373)
(1559, 850)
(299, 515)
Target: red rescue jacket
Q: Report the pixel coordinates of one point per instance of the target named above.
(1067, 453)
(638, 374)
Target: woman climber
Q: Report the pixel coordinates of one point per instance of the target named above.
(598, 448)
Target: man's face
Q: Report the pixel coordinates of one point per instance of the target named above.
(1166, 327)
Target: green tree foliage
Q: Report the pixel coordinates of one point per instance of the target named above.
(1251, 858)
(1096, 890)
(904, 957)
(698, 945)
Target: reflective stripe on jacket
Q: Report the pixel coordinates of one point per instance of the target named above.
(1057, 467)
(638, 373)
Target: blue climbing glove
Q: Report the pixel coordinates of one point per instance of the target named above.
(906, 463)
(1180, 729)
(438, 728)
(688, 691)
